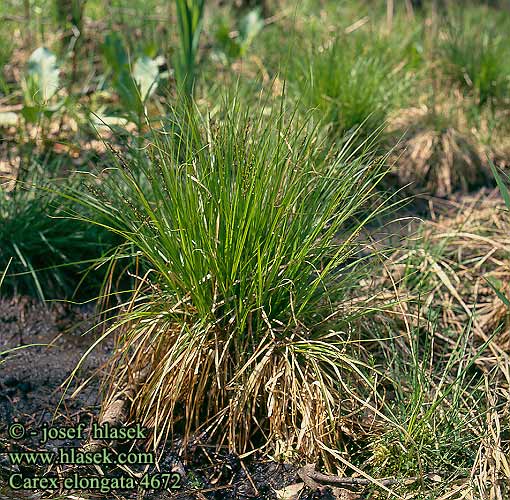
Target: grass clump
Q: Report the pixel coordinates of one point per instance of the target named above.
(477, 54)
(250, 237)
(437, 159)
(351, 81)
(48, 252)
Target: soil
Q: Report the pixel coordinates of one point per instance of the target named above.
(54, 337)
(50, 340)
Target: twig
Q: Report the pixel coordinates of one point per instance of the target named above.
(250, 479)
(315, 479)
(356, 25)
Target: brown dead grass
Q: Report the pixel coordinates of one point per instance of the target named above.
(456, 255)
(461, 253)
(440, 163)
(194, 383)
(437, 160)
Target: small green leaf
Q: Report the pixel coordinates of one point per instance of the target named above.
(229, 46)
(115, 53)
(505, 192)
(48, 112)
(118, 59)
(496, 285)
(128, 92)
(31, 113)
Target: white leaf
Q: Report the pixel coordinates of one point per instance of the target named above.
(43, 74)
(146, 75)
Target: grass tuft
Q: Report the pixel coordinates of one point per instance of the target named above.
(48, 252)
(476, 55)
(352, 81)
(249, 233)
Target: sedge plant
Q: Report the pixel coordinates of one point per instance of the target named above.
(476, 56)
(248, 233)
(352, 81)
(47, 252)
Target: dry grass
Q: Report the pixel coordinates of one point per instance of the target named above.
(450, 273)
(440, 163)
(284, 399)
(438, 159)
(460, 254)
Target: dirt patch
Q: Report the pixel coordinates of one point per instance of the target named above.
(40, 346)
(31, 376)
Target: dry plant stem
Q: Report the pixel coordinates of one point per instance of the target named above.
(315, 479)
(389, 14)
(117, 407)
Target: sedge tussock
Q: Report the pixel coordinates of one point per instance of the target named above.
(248, 229)
(285, 395)
(439, 162)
